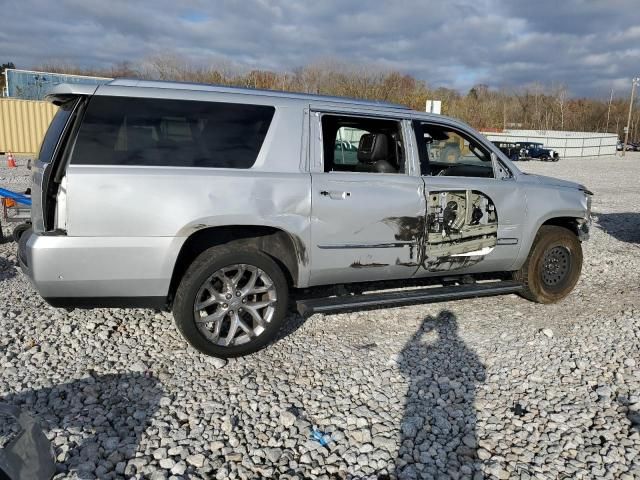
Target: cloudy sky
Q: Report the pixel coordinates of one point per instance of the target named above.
(590, 46)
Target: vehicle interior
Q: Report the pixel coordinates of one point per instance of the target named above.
(367, 145)
(447, 152)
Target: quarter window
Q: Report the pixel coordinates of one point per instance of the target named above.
(155, 132)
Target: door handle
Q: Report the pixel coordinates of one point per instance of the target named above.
(334, 194)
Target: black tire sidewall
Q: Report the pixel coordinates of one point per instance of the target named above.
(19, 231)
(205, 265)
(554, 237)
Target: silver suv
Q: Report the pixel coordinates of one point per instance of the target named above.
(217, 203)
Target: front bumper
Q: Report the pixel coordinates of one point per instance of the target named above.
(583, 228)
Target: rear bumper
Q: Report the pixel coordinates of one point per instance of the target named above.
(99, 271)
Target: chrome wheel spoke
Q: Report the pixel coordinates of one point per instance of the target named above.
(261, 303)
(216, 316)
(256, 316)
(226, 281)
(213, 299)
(247, 329)
(236, 278)
(251, 283)
(233, 329)
(257, 290)
(235, 305)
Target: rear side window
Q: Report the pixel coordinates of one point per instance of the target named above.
(54, 131)
(155, 132)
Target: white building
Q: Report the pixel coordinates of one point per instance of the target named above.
(567, 144)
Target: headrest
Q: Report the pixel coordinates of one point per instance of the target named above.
(373, 147)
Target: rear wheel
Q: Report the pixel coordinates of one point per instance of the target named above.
(19, 230)
(553, 267)
(231, 301)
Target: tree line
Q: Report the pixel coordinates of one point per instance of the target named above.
(534, 106)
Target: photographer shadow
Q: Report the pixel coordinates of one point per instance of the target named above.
(438, 430)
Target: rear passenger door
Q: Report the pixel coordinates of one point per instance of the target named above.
(368, 205)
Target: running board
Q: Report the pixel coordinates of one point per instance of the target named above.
(308, 307)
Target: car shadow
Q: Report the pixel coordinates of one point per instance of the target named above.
(95, 422)
(7, 269)
(623, 226)
(438, 429)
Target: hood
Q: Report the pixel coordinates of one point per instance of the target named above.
(555, 182)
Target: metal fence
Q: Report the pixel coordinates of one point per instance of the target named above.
(23, 124)
(567, 144)
(31, 85)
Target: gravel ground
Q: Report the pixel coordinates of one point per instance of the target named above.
(483, 388)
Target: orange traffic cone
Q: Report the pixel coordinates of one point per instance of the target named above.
(11, 161)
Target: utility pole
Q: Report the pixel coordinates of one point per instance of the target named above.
(634, 83)
(606, 129)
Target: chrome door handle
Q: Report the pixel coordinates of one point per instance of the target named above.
(335, 195)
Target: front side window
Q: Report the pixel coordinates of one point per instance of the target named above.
(365, 145)
(448, 152)
(156, 132)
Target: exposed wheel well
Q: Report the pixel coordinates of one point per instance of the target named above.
(287, 250)
(570, 223)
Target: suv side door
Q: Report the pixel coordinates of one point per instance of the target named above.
(474, 219)
(367, 207)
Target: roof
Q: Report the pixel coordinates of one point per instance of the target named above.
(125, 82)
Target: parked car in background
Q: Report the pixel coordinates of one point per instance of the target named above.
(217, 203)
(539, 152)
(513, 151)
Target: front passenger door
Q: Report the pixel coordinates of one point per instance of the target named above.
(473, 218)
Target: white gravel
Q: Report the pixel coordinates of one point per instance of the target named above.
(493, 387)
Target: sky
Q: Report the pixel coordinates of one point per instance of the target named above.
(590, 46)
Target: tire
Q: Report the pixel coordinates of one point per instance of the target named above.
(211, 338)
(562, 249)
(19, 230)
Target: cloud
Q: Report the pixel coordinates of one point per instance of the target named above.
(587, 45)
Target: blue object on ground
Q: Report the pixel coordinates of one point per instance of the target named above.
(321, 437)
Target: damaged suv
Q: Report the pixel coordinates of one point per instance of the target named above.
(218, 203)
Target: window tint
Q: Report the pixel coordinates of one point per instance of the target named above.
(447, 152)
(153, 132)
(352, 144)
(54, 131)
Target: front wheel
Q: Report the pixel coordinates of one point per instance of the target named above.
(553, 266)
(231, 301)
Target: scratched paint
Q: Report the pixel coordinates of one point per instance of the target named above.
(358, 264)
(457, 222)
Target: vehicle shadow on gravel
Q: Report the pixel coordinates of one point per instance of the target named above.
(100, 418)
(7, 269)
(438, 430)
(622, 226)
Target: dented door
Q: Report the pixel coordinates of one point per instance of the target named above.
(473, 219)
(364, 226)
(462, 227)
